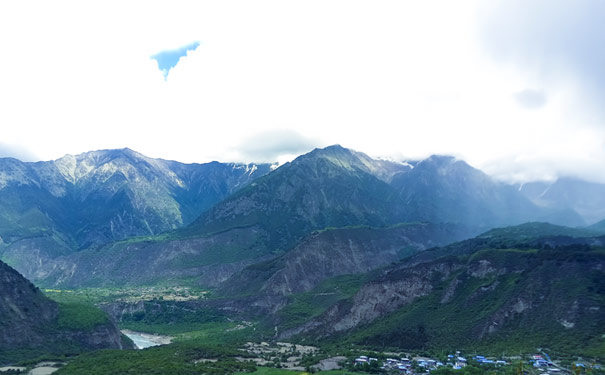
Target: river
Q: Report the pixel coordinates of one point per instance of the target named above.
(145, 340)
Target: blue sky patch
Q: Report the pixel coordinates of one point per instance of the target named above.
(168, 59)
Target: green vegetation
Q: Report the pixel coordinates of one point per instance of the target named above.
(510, 236)
(272, 371)
(305, 306)
(476, 369)
(181, 358)
(26, 356)
(278, 371)
(78, 316)
(215, 332)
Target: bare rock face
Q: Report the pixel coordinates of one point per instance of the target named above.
(376, 299)
(29, 321)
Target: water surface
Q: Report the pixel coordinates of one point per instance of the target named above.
(144, 340)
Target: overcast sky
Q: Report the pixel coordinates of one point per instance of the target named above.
(516, 88)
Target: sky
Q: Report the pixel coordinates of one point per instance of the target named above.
(513, 87)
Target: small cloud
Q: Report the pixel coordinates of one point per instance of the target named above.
(168, 59)
(276, 145)
(530, 99)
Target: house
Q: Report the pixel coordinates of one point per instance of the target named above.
(540, 363)
(361, 360)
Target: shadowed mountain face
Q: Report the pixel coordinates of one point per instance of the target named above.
(32, 323)
(338, 187)
(331, 187)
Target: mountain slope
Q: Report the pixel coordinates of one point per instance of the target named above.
(505, 299)
(335, 252)
(31, 324)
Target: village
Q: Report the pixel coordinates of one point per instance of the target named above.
(313, 359)
(535, 364)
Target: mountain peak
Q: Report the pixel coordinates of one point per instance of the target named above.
(75, 167)
(333, 150)
(336, 154)
(441, 159)
(448, 165)
(334, 147)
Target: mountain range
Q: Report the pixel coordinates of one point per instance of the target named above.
(94, 219)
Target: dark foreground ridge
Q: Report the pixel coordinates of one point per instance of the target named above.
(32, 325)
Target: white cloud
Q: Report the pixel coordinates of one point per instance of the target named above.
(388, 78)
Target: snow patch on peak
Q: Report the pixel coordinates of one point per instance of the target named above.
(251, 168)
(248, 169)
(67, 167)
